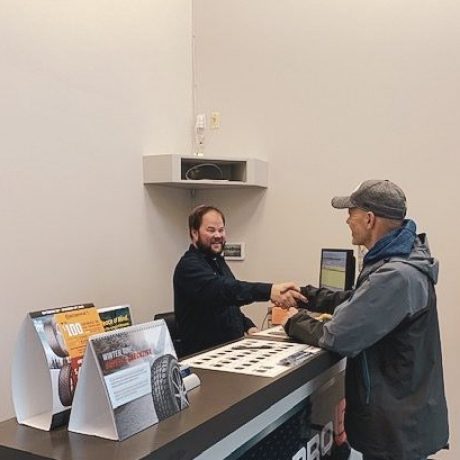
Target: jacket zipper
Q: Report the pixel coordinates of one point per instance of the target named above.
(366, 377)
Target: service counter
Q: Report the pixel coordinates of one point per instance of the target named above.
(230, 415)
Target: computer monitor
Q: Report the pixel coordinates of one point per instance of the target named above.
(337, 269)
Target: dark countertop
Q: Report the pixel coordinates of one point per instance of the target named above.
(220, 405)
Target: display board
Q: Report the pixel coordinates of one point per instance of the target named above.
(263, 358)
(48, 356)
(130, 380)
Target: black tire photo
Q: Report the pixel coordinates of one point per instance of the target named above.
(168, 391)
(65, 386)
(51, 334)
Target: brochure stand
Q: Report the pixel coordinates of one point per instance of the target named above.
(48, 356)
(130, 380)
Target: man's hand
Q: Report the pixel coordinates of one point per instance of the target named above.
(252, 330)
(286, 295)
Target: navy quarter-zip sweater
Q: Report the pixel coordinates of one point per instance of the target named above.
(207, 301)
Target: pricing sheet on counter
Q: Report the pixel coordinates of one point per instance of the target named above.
(254, 357)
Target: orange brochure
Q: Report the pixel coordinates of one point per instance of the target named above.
(76, 326)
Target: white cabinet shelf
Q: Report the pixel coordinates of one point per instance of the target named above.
(173, 170)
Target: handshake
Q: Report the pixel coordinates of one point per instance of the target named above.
(286, 295)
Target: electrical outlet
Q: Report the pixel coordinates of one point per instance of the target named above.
(215, 120)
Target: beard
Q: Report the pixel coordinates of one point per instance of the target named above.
(214, 248)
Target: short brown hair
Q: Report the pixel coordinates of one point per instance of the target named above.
(196, 217)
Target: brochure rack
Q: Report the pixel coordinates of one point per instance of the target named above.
(129, 380)
(48, 356)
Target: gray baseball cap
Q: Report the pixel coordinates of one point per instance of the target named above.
(382, 197)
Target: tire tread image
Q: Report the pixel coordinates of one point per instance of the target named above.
(163, 386)
(51, 336)
(65, 385)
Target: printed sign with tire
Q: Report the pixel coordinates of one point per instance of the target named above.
(68, 373)
(64, 334)
(139, 369)
(168, 390)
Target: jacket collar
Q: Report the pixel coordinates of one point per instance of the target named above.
(398, 242)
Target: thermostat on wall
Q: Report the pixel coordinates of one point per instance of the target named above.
(234, 251)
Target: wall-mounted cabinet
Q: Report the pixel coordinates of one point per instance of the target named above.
(194, 172)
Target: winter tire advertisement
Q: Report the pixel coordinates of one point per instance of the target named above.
(129, 381)
(50, 347)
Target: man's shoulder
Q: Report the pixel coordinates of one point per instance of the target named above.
(402, 268)
(190, 257)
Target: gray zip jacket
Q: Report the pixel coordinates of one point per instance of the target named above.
(388, 328)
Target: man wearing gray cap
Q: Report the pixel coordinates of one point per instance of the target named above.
(388, 328)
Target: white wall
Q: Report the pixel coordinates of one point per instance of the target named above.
(86, 88)
(331, 93)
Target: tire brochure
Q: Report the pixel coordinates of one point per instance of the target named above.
(115, 317)
(48, 356)
(263, 358)
(130, 380)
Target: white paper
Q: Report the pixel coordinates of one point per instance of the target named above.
(91, 413)
(263, 358)
(30, 380)
(44, 374)
(191, 381)
(130, 380)
(129, 384)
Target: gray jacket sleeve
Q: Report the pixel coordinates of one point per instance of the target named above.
(322, 299)
(304, 328)
(377, 306)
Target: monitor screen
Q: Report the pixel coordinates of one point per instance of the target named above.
(337, 269)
